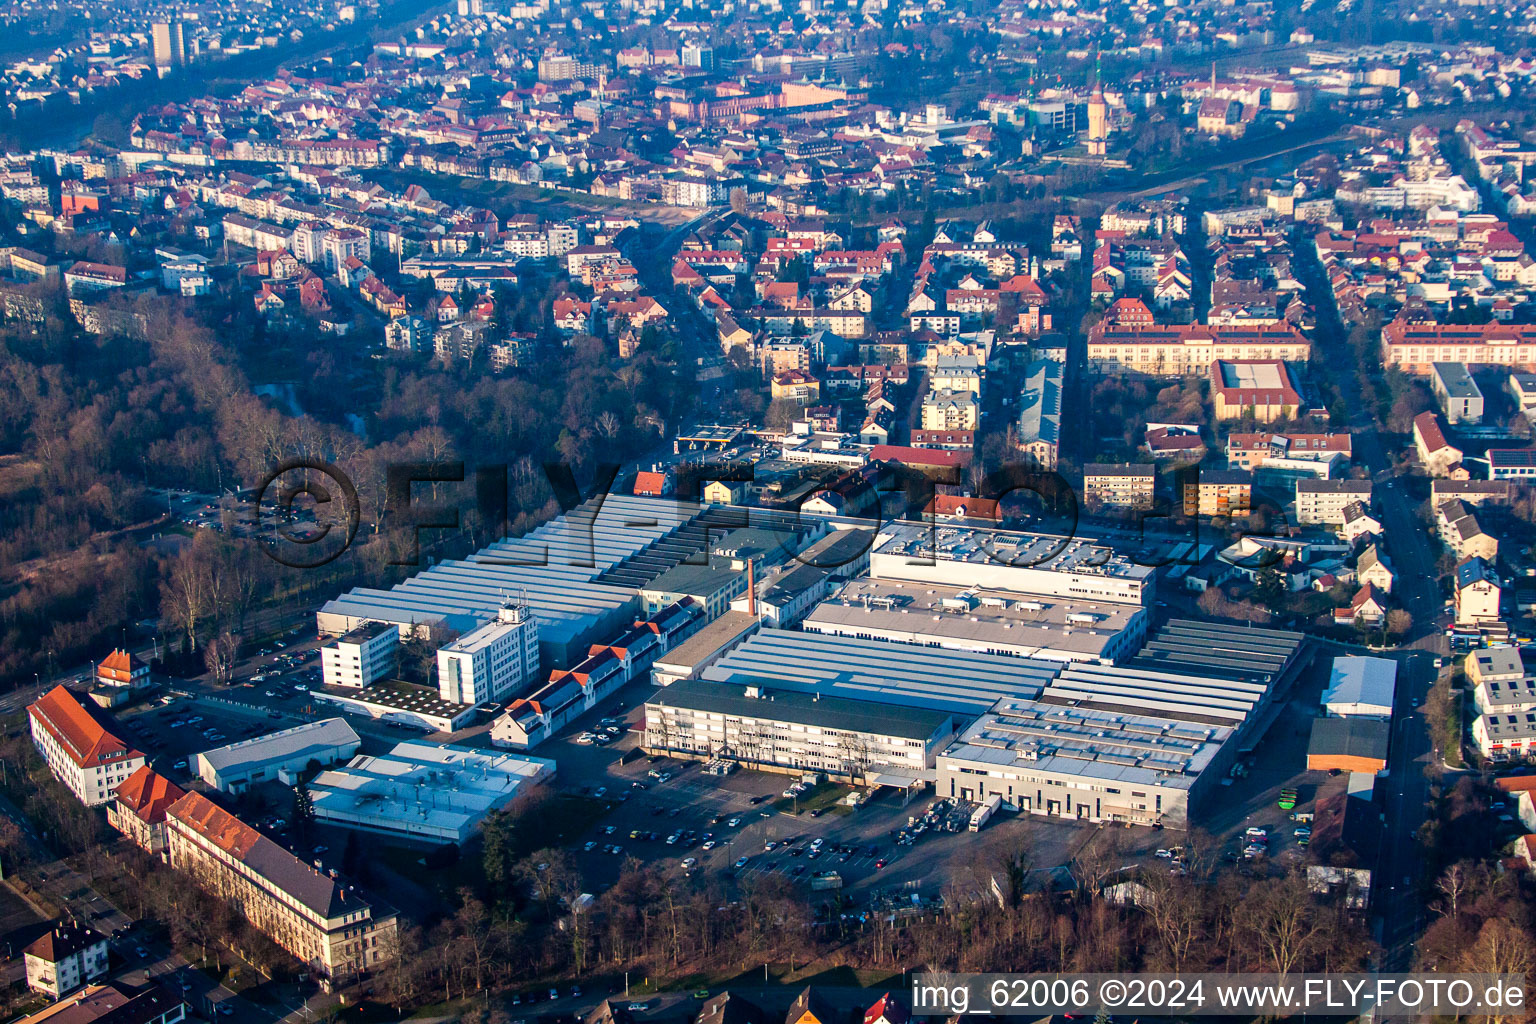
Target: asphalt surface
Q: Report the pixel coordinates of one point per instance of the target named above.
(1396, 902)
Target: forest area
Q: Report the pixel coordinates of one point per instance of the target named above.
(91, 427)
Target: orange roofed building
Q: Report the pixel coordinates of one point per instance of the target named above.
(138, 811)
(80, 746)
(332, 929)
(122, 669)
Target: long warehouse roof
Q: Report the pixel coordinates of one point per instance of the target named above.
(554, 568)
(1207, 648)
(896, 674)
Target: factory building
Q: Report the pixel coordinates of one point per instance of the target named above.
(988, 621)
(430, 791)
(1023, 563)
(1085, 763)
(867, 742)
(580, 576)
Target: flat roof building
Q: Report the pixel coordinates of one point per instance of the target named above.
(554, 569)
(1459, 394)
(977, 619)
(1024, 563)
(787, 730)
(361, 656)
(277, 756)
(409, 704)
(1322, 502)
(963, 683)
(1120, 484)
(711, 643)
(1083, 763)
(492, 663)
(432, 791)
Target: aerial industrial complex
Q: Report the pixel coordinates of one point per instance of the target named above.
(960, 657)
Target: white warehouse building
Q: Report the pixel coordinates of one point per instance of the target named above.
(432, 791)
(278, 756)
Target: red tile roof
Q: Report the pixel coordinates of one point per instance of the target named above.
(918, 456)
(88, 742)
(147, 794)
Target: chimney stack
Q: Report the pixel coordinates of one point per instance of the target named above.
(751, 589)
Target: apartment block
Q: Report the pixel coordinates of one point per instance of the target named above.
(1223, 492)
(1119, 485)
(1322, 502)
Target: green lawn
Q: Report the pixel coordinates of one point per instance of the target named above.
(824, 796)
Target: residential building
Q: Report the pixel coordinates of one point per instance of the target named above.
(322, 922)
(1321, 456)
(122, 670)
(1322, 502)
(362, 656)
(1122, 485)
(1461, 531)
(1415, 347)
(493, 663)
(1504, 690)
(68, 956)
(81, 748)
(1459, 395)
(1439, 456)
(138, 808)
(1040, 414)
(278, 756)
(1477, 593)
(1473, 492)
(950, 410)
(1218, 492)
(1174, 350)
(1373, 568)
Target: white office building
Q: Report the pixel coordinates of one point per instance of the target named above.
(494, 663)
(362, 656)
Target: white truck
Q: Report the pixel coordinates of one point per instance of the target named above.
(826, 880)
(983, 814)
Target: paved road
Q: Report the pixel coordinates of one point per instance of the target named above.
(1397, 905)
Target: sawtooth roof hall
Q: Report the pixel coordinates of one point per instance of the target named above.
(579, 574)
